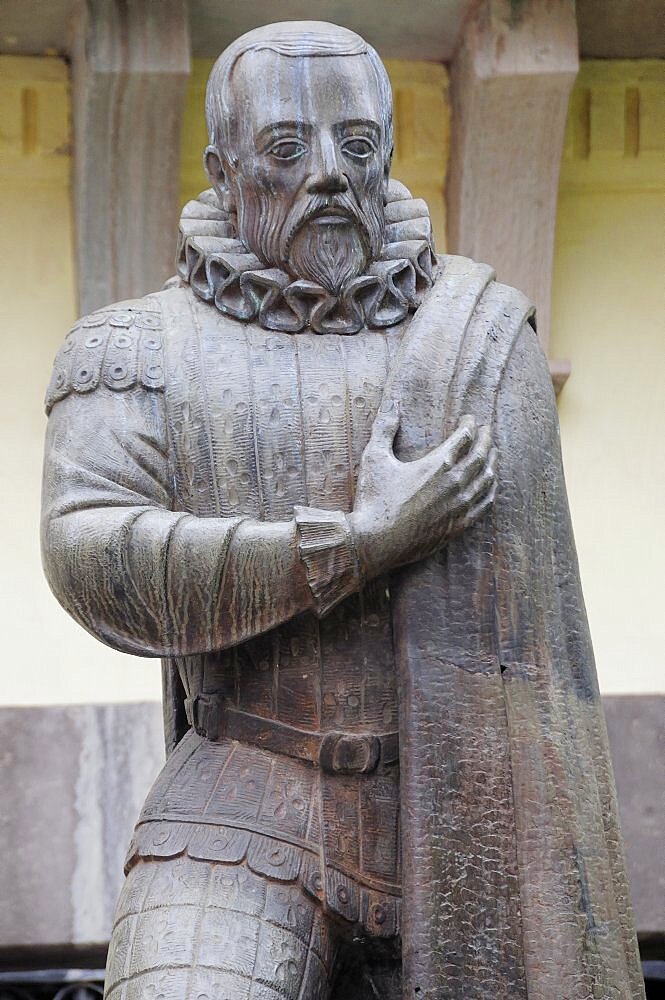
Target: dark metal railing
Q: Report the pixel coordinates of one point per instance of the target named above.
(86, 984)
(52, 984)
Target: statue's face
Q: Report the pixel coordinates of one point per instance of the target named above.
(309, 179)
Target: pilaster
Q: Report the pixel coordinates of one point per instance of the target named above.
(130, 64)
(510, 84)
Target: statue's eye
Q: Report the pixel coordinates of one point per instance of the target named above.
(287, 149)
(358, 147)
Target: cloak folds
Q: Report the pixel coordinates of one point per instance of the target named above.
(514, 880)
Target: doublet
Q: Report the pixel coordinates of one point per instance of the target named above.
(291, 761)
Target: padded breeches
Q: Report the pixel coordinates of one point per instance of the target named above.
(196, 930)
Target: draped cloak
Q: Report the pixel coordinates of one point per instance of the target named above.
(514, 881)
(513, 877)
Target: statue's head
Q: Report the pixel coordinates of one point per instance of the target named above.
(300, 129)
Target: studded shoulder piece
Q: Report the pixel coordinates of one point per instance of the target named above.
(118, 347)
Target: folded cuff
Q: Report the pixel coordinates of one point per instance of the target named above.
(325, 543)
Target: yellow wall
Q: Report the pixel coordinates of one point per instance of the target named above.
(607, 319)
(46, 657)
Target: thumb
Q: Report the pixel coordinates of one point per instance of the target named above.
(385, 425)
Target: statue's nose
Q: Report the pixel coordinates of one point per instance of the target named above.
(328, 178)
(328, 182)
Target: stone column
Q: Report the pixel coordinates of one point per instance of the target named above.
(130, 64)
(510, 84)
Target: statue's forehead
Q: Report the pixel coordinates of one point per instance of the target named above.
(269, 87)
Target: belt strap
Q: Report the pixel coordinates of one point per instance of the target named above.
(334, 752)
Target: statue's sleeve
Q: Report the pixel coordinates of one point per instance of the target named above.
(140, 576)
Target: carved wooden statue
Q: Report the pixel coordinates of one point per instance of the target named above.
(319, 475)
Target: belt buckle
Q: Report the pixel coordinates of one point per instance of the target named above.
(349, 753)
(203, 714)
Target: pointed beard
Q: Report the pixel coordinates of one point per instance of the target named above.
(329, 253)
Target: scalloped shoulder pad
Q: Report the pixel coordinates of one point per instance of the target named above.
(118, 347)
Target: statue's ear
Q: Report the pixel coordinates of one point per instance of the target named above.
(217, 172)
(386, 175)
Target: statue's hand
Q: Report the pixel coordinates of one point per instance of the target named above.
(405, 511)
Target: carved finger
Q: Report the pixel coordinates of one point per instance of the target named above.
(478, 511)
(476, 491)
(455, 447)
(481, 485)
(406, 210)
(475, 461)
(397, 192)
(475, 512)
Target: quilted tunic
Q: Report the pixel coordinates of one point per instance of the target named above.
(227, 421)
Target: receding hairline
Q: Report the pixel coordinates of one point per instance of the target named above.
(241, 68)
(291, 40)
(297, 38)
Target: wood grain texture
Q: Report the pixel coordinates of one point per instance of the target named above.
(130, 63)
(462, 924)
(497, 623)
(509, 86)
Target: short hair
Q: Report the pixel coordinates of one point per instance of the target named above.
(292, 39)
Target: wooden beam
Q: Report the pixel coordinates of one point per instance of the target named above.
(510, 84)
(560, 371)
(130, 64)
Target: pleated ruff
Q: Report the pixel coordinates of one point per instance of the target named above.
(220, 270)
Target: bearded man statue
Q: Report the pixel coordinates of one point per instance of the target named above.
(319, 475)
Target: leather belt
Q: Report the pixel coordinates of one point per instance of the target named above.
(334, 752)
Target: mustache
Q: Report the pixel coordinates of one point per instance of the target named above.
(319, 205)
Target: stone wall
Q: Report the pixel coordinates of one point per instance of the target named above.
(72, 781)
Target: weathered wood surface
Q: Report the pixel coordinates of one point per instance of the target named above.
(499, 703)
(509, 85)
(130, 64)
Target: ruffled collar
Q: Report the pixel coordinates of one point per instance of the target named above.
(220, 270)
